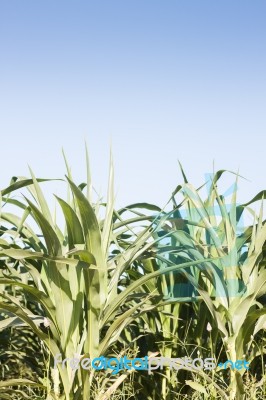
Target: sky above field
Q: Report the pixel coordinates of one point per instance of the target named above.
(162, 80)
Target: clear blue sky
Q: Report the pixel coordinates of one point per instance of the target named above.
(164, 80)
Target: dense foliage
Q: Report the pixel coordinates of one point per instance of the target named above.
(186, 280)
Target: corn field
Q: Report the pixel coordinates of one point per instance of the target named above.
(186, 280)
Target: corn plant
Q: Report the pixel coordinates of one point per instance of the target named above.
(76, 276)
(233, 284)
(222, 314)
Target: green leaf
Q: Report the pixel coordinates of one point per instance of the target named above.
(196, 386)
(20, 183)
(19, 382)
(50, 236)
(74, 228)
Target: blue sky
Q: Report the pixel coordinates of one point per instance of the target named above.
(162, 80)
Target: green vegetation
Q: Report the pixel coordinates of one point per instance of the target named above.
(186, 280)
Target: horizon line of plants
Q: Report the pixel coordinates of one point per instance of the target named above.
(140, 280)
